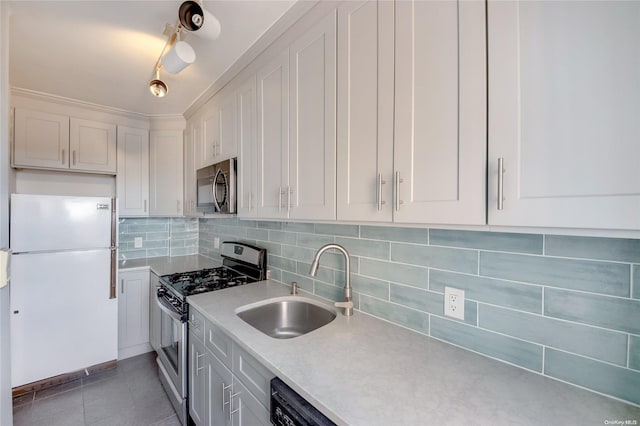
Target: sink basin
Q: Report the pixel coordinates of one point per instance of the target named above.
(285, 319)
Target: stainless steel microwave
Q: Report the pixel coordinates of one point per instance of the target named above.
(216, 191)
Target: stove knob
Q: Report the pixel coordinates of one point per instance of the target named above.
(161, 291)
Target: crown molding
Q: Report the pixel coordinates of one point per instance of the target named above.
(290, 17)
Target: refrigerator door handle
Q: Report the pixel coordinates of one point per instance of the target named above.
(114, 261)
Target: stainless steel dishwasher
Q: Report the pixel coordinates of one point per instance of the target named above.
(290, 409)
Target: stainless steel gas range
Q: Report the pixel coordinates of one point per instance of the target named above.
(241, 264)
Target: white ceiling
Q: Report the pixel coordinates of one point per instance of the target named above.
(104, 52)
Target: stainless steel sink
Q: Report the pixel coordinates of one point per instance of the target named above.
(285, 319)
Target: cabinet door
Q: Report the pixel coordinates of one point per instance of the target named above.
(165, 164)
(210, 132)
(365, 110)
(93, 146)
(198, 382)
(155, 315)
(311, 192)
(247, 149)
(227, 142)
(273, 137)
(133, 171)
(133, 313)
(564, 101)
(245, 408)
(191, 159)
(440, 104)
(41, 139)
(220, 390)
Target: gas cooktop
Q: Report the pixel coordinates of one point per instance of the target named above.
(195, 282)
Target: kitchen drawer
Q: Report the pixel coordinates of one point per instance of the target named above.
(219, 344)
(253, 375)
(196, 325)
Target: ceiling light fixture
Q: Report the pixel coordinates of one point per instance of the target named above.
(179, 54)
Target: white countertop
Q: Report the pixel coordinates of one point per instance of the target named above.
(360, 370)
(164, 265)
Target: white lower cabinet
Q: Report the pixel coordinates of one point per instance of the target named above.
(234, 390)
(133, 313)
(154, 313)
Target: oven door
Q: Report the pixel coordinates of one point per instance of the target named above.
(173, 346)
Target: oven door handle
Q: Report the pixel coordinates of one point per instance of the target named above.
(164, 306)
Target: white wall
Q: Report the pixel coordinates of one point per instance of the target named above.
(62, 183)
(6, 410)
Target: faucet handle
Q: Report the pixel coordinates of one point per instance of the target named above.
(348, 305)
(294, 288)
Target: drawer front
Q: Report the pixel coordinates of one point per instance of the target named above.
(218, 343)
(253, 375)
(196, 324)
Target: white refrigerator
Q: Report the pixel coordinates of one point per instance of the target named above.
(64, 311)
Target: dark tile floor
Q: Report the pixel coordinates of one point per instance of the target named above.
(130, 394)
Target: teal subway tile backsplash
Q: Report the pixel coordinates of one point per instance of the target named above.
(514, 351)
(576, 298)
(615, 249)
(634, 352)
(406, 235)
(593, 342)
(608, 312)
(400, 315)
(500, 292)
(499, 241)
(436, 257)
(611, 380)
(160, 237)
(598, 277)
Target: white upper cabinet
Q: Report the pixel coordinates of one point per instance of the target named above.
(311, 191)
(92, 146)
(440, 112)
(365, 110)
(166, 172)
(132, 180)
(412, 148)
(247, 149)
(55, 141)
(296, 128)
(219, 128)
(192, 160)
(564, 102)
(273, 137)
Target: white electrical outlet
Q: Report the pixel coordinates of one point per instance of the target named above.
(216, 243)
(137, 242)
(454, 303)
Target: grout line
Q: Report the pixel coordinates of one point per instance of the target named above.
(628, 350)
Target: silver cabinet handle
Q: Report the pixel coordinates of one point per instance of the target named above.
(145, 206)
(250, 200)
(399, 180)
(198, 368)
(231, 410)
(501, 171)
(380, 202)
(62, 155)
(280, 199)
(122, 286)
(289, 193)
(224, 388)
(73, 156)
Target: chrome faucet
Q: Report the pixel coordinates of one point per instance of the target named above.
(348, 301)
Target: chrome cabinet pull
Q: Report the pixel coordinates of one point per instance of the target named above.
(224, 388)
(73, 155)
(399, 180)
(198, 368)
(231, 410)
(501, 171)
(122, 286)
(145, 206)
(280, 199)
(379, 201)
(63, 152)
(250, 201)
(289, 193)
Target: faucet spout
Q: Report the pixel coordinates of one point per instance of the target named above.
(348, 297)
